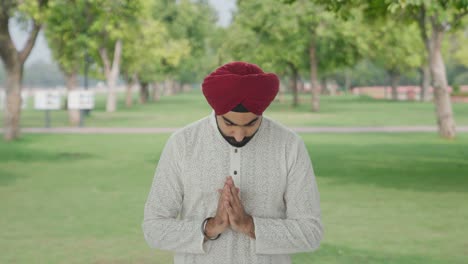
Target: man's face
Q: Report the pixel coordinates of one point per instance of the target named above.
(238, 127)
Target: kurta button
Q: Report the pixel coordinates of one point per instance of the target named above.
(235, 150)
(235, 172)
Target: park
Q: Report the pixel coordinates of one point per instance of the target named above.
(391, 164)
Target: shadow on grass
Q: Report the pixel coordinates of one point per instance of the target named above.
(331, 254)
(20, 150)
(7, 177)
(415, 166)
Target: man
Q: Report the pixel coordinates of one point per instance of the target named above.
(235, 186)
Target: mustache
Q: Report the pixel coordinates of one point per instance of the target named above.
(236, 143)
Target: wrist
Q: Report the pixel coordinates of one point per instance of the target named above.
(210, 229)
(247, 224)
(249, 228)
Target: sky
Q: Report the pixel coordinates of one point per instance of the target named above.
(41, 50)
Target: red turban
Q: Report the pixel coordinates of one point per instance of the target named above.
(240, 83)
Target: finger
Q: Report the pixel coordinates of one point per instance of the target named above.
(229, 209)
(227, 206)
(232, 181)
(226, 189)
(234, 194)
(228, 196)
(229, 182)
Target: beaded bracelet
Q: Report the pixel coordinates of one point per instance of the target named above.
(203, 229)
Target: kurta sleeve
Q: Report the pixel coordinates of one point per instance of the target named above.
(161, 228)
(302, 229)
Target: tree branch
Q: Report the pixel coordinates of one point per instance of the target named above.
(459, 16)
(422, 20)
(24, 53)
(105, 60)
(117, 55)
(7, 47)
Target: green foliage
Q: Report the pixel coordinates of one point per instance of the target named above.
(195, 23)
(148, 46)
(278, 36)
(395, 46)
(456, 48)
(67, 33)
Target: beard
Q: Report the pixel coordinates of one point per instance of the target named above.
(232, 141)
(235, 143)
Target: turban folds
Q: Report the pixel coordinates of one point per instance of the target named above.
(240, 83)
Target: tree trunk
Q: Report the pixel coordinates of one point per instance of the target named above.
(13, 60)
(156, 91)
(294, 78)
(314, 83)
(425, 68)
(394, 81)
(300, 85)
(177, 87)
(112, 73)
(425, 82)
(282, 89)
(347, 83)
(130, 83)
(168, 87)
(129, 94)
(71, 81)
(144, 92)
(443, 105)
(186, 87)
(11, 120)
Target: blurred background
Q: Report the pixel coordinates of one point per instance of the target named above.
(90, 91)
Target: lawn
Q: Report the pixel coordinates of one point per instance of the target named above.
(178, 110)
(386, 198)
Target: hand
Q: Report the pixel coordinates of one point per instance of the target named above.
(239, 220)
(220, 222)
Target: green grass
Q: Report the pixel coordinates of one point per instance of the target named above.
(386, 198)
(176, 111)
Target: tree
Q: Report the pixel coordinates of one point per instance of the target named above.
(110, 23)
(194, 23)
(66, 31)
(268, 34)
(439, 17)
(148, 47)
(32, 13)
(394, 46)
(442, 15)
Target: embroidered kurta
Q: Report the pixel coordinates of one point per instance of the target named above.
(277, 188)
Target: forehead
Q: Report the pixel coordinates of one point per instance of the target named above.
(239, 118)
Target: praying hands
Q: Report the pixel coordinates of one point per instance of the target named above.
(230, 213)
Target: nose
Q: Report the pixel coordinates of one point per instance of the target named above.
(239, 135)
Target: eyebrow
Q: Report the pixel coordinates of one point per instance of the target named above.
(249, 123)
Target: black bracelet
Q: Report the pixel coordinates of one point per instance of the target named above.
(203, 229)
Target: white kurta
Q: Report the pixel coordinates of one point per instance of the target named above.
(277, 188)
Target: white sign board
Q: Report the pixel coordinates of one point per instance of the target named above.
(47, 100)
(80, 100)
(24, 99)
(3, 100)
